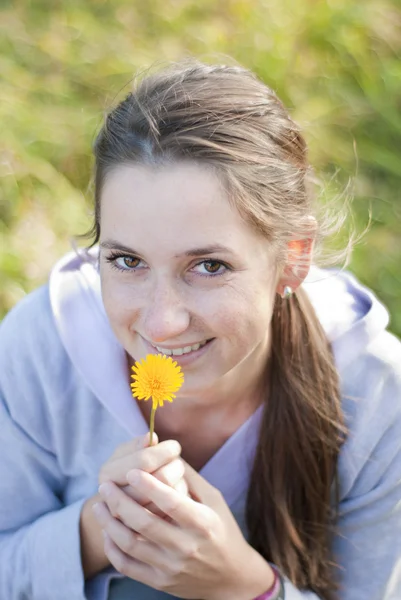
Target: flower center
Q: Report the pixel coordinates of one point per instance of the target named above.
(156, 384)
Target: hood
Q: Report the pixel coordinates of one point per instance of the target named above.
(350, 314)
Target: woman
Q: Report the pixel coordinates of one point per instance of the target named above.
(286, 478)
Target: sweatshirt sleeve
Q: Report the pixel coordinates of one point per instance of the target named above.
(39, 535)
(367, 547)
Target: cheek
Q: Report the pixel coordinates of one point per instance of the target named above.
(245, 316)
(119, 300)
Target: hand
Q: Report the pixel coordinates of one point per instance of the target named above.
(162, 460)
(199, 553)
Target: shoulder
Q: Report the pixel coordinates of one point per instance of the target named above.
(28, 314)
(28, 334)
(35, 372)
(371, 391)
(373, 378)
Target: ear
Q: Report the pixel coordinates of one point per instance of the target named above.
(299, 259)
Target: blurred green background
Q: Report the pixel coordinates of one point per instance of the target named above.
(336, 64)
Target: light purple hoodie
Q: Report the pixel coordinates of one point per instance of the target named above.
(65, 405)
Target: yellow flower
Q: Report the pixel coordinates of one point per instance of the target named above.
(157, 377)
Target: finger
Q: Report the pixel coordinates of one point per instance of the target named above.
(170, 478)
(130, 542)
(126, 565)
(171, 473)
(148, 459)
(181, 487)
(185, 511)
(200, 489)
(142, 500)
(155, 439)
(138, 518)
(135, 444)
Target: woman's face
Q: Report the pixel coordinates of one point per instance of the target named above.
(183, 274)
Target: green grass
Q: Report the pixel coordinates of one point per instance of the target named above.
(335, 64)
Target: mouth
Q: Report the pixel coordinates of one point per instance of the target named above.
(181, 351)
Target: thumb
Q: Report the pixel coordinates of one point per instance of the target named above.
(146, 440)
(200, 489)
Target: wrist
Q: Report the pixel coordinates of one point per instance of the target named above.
(276, 591)
(262, 576)
(257, 577)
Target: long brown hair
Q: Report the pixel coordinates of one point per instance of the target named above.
(225, 118)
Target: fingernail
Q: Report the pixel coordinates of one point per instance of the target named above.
(133, 477)
(105, 490)
(97, 508)
(146, 440)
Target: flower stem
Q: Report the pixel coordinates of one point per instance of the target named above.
(152, 423)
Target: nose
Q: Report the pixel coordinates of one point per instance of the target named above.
(165, 315)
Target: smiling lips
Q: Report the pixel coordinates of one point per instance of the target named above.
(179, 351)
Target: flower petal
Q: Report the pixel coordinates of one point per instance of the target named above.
(157, 377)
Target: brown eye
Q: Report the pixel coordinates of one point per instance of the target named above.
(126, 263)
(130, 262)
(212, 266)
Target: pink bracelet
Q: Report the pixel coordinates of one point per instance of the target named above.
(274, 592)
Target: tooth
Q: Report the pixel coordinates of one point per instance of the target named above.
(164, 351)
(180, 351)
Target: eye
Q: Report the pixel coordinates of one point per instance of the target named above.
(211, 267)
(123, 262)
(127, 262)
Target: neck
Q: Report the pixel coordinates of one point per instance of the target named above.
(201, 431)
(202, 422)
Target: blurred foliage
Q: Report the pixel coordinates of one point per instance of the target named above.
(336, 64)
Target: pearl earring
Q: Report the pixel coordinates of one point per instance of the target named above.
(287, 292)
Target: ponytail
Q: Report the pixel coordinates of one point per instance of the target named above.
(289, 514)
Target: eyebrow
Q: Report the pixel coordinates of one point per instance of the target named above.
(211, 249)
